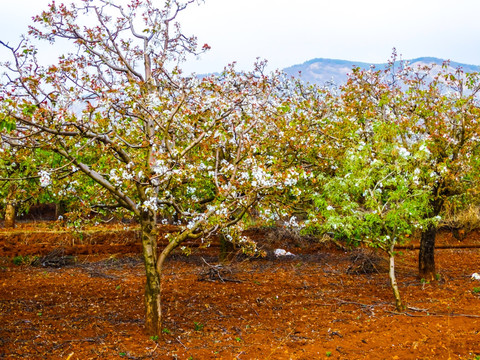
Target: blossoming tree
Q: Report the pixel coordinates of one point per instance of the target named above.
(141, 136)
(365, 189)
(374, 197)
(404, 142)
(22, 181)
(444, 112)
(435, 108)
(15, 194)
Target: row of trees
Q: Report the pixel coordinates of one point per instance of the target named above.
(117, 126)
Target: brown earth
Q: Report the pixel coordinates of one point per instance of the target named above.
(317, 305)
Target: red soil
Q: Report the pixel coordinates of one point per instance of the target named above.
(312, 306)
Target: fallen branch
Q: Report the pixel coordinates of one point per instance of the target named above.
(217, 272)
(279, 344)
(178, 339)
(355, 303)
(433, 314)
(443, 247)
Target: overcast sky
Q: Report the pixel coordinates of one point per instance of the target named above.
(287, 32)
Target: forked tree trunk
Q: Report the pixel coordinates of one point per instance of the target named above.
(153, 311)
(426, 256)
(153, 267)
(393, 280)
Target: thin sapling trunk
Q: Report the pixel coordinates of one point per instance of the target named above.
(393, 280)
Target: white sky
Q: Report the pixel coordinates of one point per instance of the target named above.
(288, 32)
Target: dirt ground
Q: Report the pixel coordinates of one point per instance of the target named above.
(82, 298)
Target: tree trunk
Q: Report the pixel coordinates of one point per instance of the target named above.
(426, 256)
(10, 215)
(10, 210)
(153, 311)
(227, 250)
(393, 280)
(59, 209)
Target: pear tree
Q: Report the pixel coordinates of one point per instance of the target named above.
(139, 134)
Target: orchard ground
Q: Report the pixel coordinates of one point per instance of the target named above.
(82, 298)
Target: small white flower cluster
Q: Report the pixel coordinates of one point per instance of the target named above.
(159, 168)
(127, 175)
(423, 153)
(292, 178)
(403, 152)
(222, 210)
(117, 175)
(151, 204)
(114, 177)
(385, 239)
(196, 219)
(226, 166)
(45, 178)
(243, 239)
(261, 178)
(267, 214)
(292, 222)
(423, 148)
(415, 178)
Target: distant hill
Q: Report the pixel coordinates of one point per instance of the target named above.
(320, 71)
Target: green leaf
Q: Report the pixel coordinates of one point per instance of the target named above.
(28, 110)
(8, 124)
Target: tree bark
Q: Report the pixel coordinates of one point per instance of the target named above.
(393, 280)
(426, 256)
(10, 210)
(10, 215)
(227, 250)
(59, 209)
(153, 311)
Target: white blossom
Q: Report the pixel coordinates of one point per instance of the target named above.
(45, 178)
(151, 204)
(292, 222)
(126, 175)
(424, 149)
(160, 168)
(403, 152)
(261, 178)
(114, 177)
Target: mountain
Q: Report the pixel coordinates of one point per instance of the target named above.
(320, 71)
